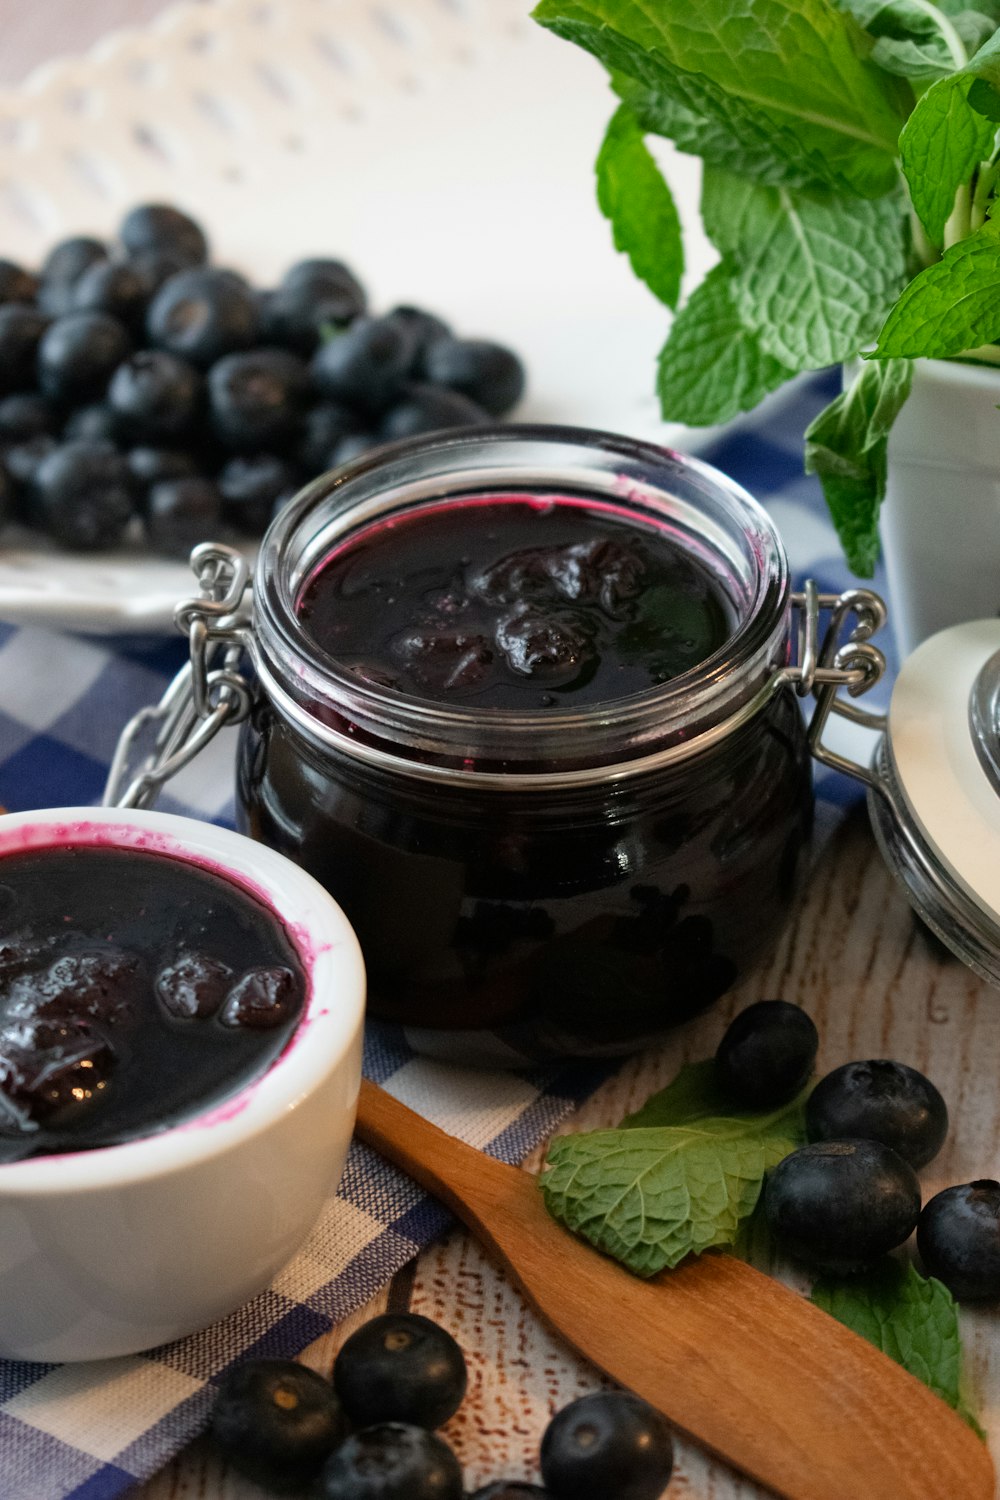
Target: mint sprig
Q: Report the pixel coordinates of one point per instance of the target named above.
(676, 1178)
(912, 1318)
(635, 199)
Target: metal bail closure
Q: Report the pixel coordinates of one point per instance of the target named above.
(208, 692)
(844, 658)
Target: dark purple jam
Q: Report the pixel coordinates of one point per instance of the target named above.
(512, 601)
(136, 990)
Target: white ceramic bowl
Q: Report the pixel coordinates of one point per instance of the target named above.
(120, 1248)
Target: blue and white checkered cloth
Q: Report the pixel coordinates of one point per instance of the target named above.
(91, 1431)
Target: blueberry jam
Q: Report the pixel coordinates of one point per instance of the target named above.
(520, 602)
(136, 990)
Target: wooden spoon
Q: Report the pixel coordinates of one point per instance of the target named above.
(746, 1367)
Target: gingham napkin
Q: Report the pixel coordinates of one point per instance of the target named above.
(90, 1431)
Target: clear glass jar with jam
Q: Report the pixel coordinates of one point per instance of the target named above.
(525, 702)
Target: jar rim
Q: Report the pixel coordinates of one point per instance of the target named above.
(644, 473)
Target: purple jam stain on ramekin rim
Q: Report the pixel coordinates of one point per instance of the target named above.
(81, 833)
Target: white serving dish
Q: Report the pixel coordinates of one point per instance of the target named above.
(121, 1248)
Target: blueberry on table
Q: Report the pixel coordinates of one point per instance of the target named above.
(428, 408)
(156, 395)
(159, 226)
(322, 429)
(26, 415)
(352, 445)
(21, 329)
(154, 267)
(767, 1055)
(77, 355)
(392, 1461)
(257, 398)
(251, 485)
(8, 497)
(16, 284)
(276, 1421)
(882, 1101)
(113, 287)
(202, 315)
(22, 462)
(365, 365)
(150, 465)
(96, 421)
(326, 289)
(610, 1443)
(421, 329)
(400, 1367)
(180, 513)
(489, 374)
(83, 495)
(68, 259)
(839, 1205)
(958, 1237)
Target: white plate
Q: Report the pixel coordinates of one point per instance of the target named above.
(442, 147)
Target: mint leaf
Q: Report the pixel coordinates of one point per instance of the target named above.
(912, 38)
(712, 366)
(951, 306)
(948, 135)
(796, 65)
(633, 195)
(847, 447)
(677, 1178)
(911, 1318)
(814, 274)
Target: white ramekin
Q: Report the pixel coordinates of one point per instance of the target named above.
(121, 1248)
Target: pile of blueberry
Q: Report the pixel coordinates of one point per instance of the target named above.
(139, 384)
(852, 1194)
(369, 1433)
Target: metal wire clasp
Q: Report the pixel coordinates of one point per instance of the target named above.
(836, 661)
(208, 693)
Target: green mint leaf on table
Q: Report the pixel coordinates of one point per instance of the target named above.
(712, 367)
(678, 1177)
(635, 199)
(948, 134)
(797, 65)
(910, 1317)
(814, 274)
(847, 447)
(952, 306)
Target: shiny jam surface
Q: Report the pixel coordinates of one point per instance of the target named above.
(135, 990)
(519, 602)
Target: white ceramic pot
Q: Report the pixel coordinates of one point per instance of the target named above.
(117, 1249)
(940, 523)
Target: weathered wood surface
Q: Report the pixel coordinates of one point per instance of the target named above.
(876, 986)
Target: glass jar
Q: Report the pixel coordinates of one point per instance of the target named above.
(552, 882)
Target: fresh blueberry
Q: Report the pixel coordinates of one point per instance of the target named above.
(400, 1367)
(202, 315)
(67, 261)
(251, 486)
(154, 267)
(84, 495)
(323, 427)
(610, 1443)
(25, 416)
(352, 445)
(193, 986)
(365, 365)
(97, 421)
(880, 1101)
(257, 399)
(264, 997)
(156, 395)
(276, 1421)
(839, 1205)
(421, 329)
(958, 1237)
(392, 1462)
(510, 1489)
(113, 287)
(160, 227)
(427, 408)
(180, 513)
(327, 288)
(767, 1054)
(487, 373)
(21, 329)
(8, 497)
(16, 284)
(77, 355)
(22, 462)
(150, 466)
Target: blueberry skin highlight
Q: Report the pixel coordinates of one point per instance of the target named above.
(767, 1054)
(839, 1205)
(392, 1461)
(400, 1367)
(882, 1101)
(958, 1237)
(608, 1443)
(277, 1421)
